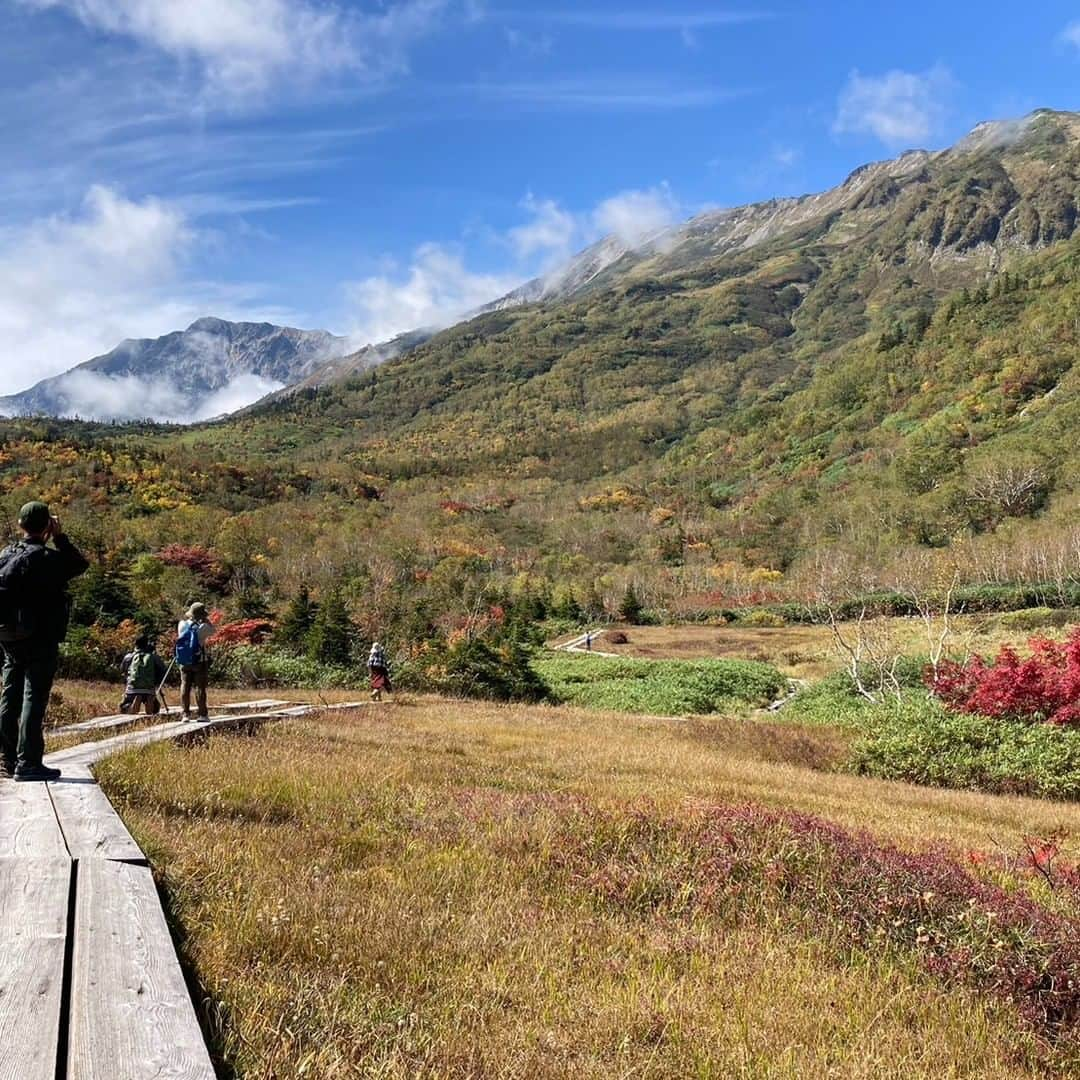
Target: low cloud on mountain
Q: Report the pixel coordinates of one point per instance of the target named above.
(99, 396)
(438, 288)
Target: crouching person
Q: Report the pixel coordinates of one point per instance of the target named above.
(34, 611)
(144, 672)
(192, 634)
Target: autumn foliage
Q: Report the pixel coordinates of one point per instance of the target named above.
(1044, 686)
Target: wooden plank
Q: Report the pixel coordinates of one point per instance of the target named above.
(89, 753)
(131, 1016)
(118, 720)
(28, 825)
(33, 931)
(92, 828)
(105, 723)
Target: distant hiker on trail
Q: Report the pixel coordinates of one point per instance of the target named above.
(192, 634)
(379, 670)
(144, 671)
(34, 611)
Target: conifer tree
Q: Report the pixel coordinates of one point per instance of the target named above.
(330, 637)
(298, 620)
(630, 608)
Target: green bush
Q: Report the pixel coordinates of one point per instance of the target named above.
(832, 702)
(920, 741)
(763, 617)
(659, 687)
(494, 670)
(264, 667)
(1038, 618)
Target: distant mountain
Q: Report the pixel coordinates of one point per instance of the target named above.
(212, 368)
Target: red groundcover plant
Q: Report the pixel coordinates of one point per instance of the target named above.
(1044, 687)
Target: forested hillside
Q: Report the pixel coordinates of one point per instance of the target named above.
(885, 376)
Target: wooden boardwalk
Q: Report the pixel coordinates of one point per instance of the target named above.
(90, 984)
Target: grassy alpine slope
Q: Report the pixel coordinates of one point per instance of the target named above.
(448, 889)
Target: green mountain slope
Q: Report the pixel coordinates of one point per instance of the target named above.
(887, 370)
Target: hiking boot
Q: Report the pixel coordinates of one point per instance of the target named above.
(36, 772)
(7, 769)
(185, 718)
(203, 718)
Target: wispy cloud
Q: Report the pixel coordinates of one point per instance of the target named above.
(248, 50)
(611, 93)
(643, 20)
(900, 108)
(1071, 34)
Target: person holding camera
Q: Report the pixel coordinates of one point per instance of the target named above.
(34, 612)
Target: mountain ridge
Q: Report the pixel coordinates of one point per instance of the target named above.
(212, 367)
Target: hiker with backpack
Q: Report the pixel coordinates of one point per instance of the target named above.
(34, 613)
(144, 672)
(192, 634)
(379, 671)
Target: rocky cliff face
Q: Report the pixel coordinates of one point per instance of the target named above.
(211, 368)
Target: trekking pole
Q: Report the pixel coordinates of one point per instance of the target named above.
(161, 685)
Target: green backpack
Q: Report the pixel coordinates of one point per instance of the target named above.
(142, 674)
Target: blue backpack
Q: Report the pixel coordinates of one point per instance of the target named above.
(188, 648)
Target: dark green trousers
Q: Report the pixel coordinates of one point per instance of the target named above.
(29, 670)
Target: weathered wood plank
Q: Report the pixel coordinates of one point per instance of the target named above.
(92, 828)
(131, 1016)
(88, 753)
(28, 825)
(119, 720)
(33, 930)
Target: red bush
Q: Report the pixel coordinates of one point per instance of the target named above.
(244, 632)
(1045, 686)
(201, 561)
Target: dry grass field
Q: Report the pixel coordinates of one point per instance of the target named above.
(449, 889)
(804, 651)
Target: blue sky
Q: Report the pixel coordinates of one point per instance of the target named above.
(370, 167)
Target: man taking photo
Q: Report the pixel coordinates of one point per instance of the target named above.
(34, 610)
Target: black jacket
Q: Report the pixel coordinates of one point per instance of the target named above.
(37, 576)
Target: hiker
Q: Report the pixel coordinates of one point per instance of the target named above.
(144, 672)
(192, 634)
(379, 670)
(34, 612)
(588, 641)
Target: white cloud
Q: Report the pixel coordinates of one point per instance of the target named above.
(552, 231)
(605, 93)
(1071, 34)
(99, 396)
(247, 47)
(636, 216)
(73, 286)
(900, 108)
(437, 288)
(647, 20)
(243, 390)
(435, 291)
